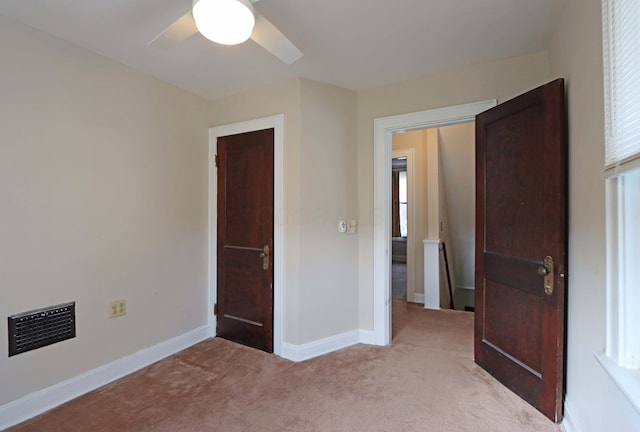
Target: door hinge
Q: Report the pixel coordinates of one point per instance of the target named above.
(215, 309)
(215, 160)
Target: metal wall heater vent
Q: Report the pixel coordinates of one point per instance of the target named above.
(41, 327)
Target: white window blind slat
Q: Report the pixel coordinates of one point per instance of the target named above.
(621, 36)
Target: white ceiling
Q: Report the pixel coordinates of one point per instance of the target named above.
(356, 44)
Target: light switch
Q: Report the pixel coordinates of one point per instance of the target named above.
(342, 226)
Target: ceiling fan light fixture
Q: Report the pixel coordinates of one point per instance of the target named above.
(227, 22)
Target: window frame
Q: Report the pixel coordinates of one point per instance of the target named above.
(622, 326)
(405, 202)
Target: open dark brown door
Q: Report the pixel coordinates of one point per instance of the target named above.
(521, 216)
(245, 239)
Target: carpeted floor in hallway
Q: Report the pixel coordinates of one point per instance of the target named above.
(399, 280)
(425, 381)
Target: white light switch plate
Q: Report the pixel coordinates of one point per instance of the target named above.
(342, 226)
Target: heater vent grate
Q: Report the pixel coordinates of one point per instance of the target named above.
(42, 327)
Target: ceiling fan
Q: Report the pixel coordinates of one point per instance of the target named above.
(228, 22)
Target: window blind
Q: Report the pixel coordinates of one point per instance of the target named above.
(621, 39)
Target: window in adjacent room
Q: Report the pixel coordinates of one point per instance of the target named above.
(403, 202)
(399, 197)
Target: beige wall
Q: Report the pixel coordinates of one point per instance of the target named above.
(500, 80)
(320, 291)
(443, 227)
(576, 54)
(103, 181)
(328, 285)
(457, 153)
(434, 197)
(283, 98)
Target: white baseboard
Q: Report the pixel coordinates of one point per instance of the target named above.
(320, 347)
(418, 298)
(367, 337)
(569, 422)
(43, 400)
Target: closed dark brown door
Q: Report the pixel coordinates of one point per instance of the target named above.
(245, 239)
(521, 196)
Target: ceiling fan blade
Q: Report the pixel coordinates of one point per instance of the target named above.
(270, 38)
(182, 29)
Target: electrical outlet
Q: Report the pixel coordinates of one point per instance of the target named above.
(117, 308)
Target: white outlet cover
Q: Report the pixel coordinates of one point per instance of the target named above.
(352, 226)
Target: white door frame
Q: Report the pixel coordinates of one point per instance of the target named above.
(277, 124)
(384, 128)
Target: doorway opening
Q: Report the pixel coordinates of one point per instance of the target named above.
(402, 228)
(384, 128)
(433, 191)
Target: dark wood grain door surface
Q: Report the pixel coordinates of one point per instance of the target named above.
(521, 225)
(245, 239)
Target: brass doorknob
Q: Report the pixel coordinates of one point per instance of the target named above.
(546, 270)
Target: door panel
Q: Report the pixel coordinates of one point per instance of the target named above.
(523, 337)
(521, 190)
(245, 239)
(510, 198)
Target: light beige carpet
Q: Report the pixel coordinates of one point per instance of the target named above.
(425, 381)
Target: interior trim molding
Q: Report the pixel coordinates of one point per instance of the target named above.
(625, 379)
(43, 400)
(298, 353)
(367, 337)
(276, 123)
(570, 423)
(383, 130)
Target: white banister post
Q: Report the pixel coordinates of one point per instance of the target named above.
(431, 274)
